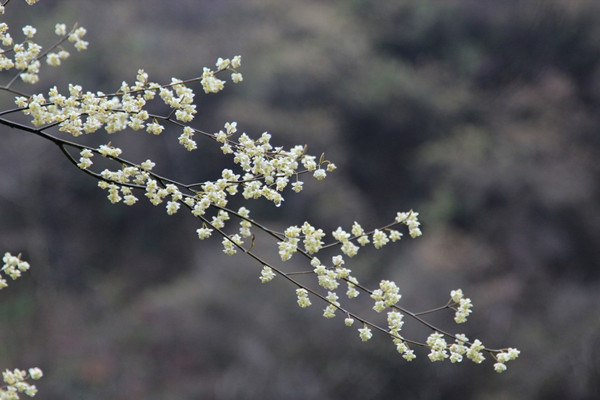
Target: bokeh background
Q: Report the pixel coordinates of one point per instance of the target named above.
(482, 115)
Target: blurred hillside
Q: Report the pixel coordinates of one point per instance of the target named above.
(481, 115)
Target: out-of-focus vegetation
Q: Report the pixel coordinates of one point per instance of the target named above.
(482, 115)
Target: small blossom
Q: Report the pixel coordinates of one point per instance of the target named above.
(352, 292)
(456, 295)
(297, 186)
(223, 63)
(365, 333)
(505, 356)
(204, 233)
(409, 355)
(130, 199)
(231, 127)
(474, 353)
(333, 298)
(395, 321)
(236, 62)
(499, 367)
(320, 174)
(60, 29)
(464, 308)
(379, 306)
(147, 165)
(337, 260)
(81, 45)
(109, 151)
(287, 248)
(84, 163)
(329, 311)
(357, 230)
(172, 207)
(154, 128)
(53, 59)
(21, 101)
(380, 238)
(29, 78)
(210, 83)
(303, 300)
(236, 77)
(29, 31)
(186, 139)
(267, 274)
(228, 247)
(394, 235)
(35, 373)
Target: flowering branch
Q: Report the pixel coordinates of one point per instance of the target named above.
(16, 380)
(259, 169)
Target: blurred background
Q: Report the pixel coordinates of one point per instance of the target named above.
(481, 115)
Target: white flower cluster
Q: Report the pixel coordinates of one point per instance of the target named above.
(359, 233)
(386, 296)
(332, 299)
(81, 113)
(290, 244)
(13, 267)
(211, 84)
(231, 65)
(461, 347)
(230, 244)
(439, 348)
(395, 321)
(267, 274)
(437, 344)
(303, 300)
(267, 169)
(505, 356)
(410, 220)
(116, 182)
(348, 248)
(312, 238)
(365, 333)
(464, 306)
(16, 383)
(27, 54)
(329, 278)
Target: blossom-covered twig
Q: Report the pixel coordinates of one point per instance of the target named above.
(16, 381)
(259, 169)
